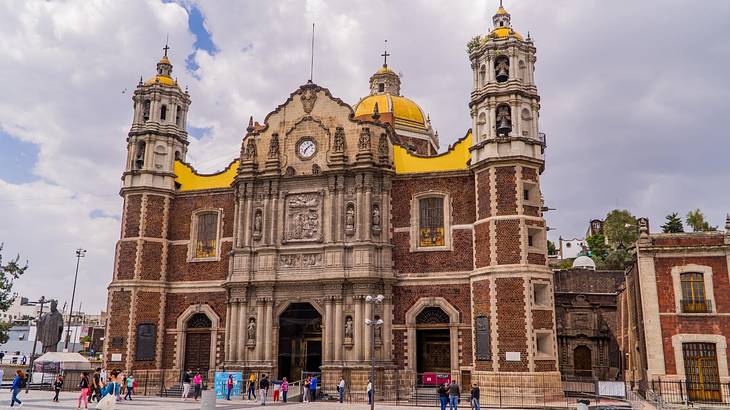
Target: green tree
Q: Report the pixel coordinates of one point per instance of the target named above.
(551, 247)
(674, 224)
(616, 260)
(620, 228)
(696, 219)
(9, 272)
(597, 246)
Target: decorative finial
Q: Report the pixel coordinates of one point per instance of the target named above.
(167, 40)
(140, 79)
(727, 223)
(250, 125)
(376, 112)
(500, 4)
(385, 55)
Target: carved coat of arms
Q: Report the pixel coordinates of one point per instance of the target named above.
(308, 97)
(303, 217)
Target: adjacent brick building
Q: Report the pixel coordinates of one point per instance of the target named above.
(676, 315)
(267, 265)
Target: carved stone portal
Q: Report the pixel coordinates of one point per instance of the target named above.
(303, 217)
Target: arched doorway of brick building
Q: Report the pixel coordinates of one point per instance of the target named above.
(433, 341)
(300, 341)
(582, 361)
(197, 342)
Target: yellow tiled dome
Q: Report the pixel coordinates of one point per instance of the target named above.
(505, 32)
(164, 80)
(404, 110)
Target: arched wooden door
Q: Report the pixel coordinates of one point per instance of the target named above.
(582, 363)
(197, 342)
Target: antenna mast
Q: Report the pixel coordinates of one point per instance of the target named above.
(311, 66)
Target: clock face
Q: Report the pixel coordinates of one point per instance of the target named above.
(306, 148)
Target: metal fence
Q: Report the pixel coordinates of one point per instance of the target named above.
(684, 392)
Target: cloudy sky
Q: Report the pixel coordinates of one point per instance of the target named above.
(635, 101)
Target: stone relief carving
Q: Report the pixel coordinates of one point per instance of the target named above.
(289, 261)
(257, 224)
(339, 140)
(383, 146)
(350, 219)
(303, 213)
(375, 219)
(250, 148)
(251, 331)
(363, 142)
(308, 97)
(274, 146)
(311, 259)
(348, 327)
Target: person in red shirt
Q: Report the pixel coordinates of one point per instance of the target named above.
(229, 386)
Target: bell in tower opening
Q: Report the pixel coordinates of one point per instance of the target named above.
(501, 69)
(504, 120)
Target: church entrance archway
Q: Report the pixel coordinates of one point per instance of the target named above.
(197, 342)
(300, 341)
(582, 366)
(433, 341)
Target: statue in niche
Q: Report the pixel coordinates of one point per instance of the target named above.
(364, 141)
(251, 328)
(250, 149)
(274, 146)
(378, 332)
(376, 218)
(257, 224)
(504, 120)
(339, 140)
(348, 327)
(350, 219)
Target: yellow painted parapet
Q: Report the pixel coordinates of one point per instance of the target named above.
(455, 159)
(190, 180)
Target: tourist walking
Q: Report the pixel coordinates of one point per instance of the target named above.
(341, 389)
(84, 391)
(307, 381)
(197, 384)
(284, 389)
(313, 389)
(474, 399)
(57, 387)
(18, 383)
(130, 387)
(277, 389)
(443, 392)
(187, 378)
(229, 387)
(370, 391)
(252, 386)
(454, 395)
(96, 385)
(263, 389)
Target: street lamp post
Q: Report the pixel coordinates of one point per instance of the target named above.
(375, 300)
(32, 355)
(80, 253)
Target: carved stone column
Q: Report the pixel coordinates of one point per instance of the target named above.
(269, 330)
(387, 328)
(231, 331)
(368, 209)
(241, 330)
(339, 227)
(368, 333)
(359, 324)
(329, 330)
(247, 215)
(259, 329)
(274, 217)
(338, 332)
(360, 211)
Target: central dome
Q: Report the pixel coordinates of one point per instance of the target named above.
(403, 110)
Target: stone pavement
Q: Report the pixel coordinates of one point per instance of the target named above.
(42, 400)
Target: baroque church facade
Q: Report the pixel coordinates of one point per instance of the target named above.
(267, 265)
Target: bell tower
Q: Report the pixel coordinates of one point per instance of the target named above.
(513, 308)
(157, 137)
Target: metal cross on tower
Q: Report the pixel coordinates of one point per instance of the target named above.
(385, 55)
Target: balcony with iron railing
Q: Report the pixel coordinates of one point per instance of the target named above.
(696, 306)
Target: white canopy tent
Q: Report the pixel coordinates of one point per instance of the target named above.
(51, 362)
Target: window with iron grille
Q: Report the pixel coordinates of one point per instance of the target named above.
(431, 222)
(693, 293)
(207, 235)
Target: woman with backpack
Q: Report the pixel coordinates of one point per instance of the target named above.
(18, 383)
(84, 395)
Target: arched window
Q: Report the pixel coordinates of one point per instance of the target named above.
(163, 113)
(178, 116)
(431, 222)
(199, 321)
(139, 152)
(693, 293)
(178, 157)
(146, 110)
(501, 68)
(206, 235)
(432, 315)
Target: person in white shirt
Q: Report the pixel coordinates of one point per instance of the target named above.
(370, 392)
(341, 389)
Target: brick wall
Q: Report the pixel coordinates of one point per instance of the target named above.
(183, 207)
(179, 269)
(482, 245)
(132, 216)
(178, 302)
(126, 260)
(485, 194)
(511, 321)
(535, 258)
(506, 181)
(689, 239)
(457, 295)
(154, 215)
(482, 306)
(151, 261)
(720, 282)
(460, 188)
(542, 319)
(460, 259)
(147, 311)
(508, 241)
(119, 314)
(529, 174)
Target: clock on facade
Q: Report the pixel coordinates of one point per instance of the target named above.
(306, 148)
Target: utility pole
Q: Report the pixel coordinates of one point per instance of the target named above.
(80, 253)
(375, 300)
(32, 355)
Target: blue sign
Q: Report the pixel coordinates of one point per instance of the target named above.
(221, 384)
